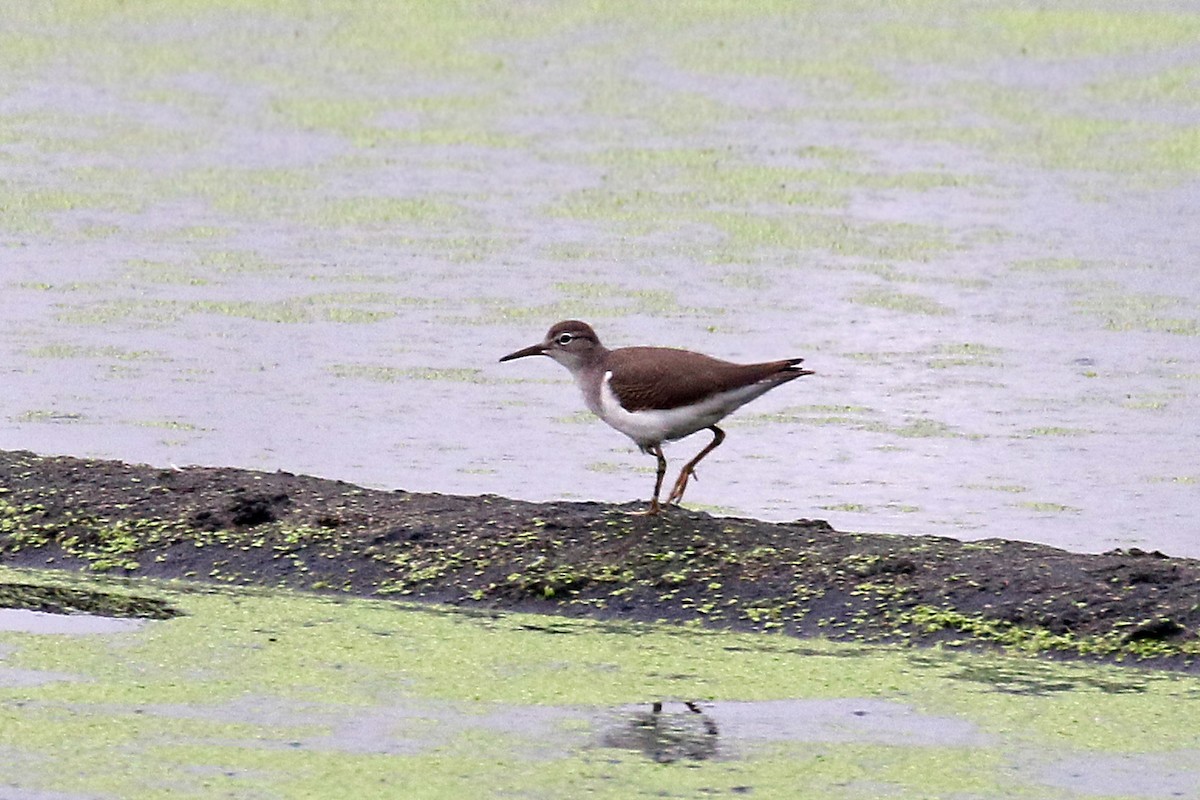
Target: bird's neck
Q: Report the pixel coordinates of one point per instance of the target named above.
(588, 376)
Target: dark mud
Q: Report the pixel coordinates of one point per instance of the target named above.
(237, 527)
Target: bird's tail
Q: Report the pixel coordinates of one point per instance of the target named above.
(791, 368)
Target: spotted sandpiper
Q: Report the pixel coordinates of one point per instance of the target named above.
(659, 394)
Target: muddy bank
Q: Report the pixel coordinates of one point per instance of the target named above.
(238, 527)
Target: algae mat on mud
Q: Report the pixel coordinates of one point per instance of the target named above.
(276, 694)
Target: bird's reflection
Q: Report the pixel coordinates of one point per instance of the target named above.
(674, 733)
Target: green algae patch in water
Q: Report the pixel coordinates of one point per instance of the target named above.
(904, 302)
(279, 694)
(1051, 33)
(1131, 311)
(65, 350)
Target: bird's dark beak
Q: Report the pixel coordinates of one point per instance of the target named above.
(532, 350)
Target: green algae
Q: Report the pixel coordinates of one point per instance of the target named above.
(858, 418)
(256, 693)
(1047, 507)
(341, 114)
(384, 374)
(1030, 123)
(577, 418)
(1177, 151)
(371, 211)
(49, 415)
(1183, 479)
(1011, 488)
(1053, 430)
(691, 180)
(828, 79)
(1030, 127)
(28, 210)
(1141, 312)
(590, 300)
(645, 301)
(1150, 402)
(1179, 85)
(307, 93)
(777, 227)
(905, 302)
(339, 307)
(1051, 264)
(64, 350)
(967, 354)
(1018, 638)
(1056, 32)
(452, 33)
(648, 187)
(290, 312)
(858, 508)
(106, 312)
(890, 273)
(166, 424)
(163, 273)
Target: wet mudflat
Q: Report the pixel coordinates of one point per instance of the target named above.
(245, 528)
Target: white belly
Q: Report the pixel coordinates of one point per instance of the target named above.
(651, 427)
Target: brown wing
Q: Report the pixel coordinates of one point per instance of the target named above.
(660, 377)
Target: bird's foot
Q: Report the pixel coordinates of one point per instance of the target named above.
(680, 486)
(652, 511)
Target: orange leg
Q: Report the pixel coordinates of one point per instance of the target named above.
(689, 469)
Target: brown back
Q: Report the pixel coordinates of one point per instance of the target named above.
(662, 377)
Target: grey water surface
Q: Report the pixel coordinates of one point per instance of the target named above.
(268, 237)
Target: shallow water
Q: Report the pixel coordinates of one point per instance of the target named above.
(259, 237)
(275, 694)
(26, 621)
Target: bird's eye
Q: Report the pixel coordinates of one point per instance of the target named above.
(564, 338)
